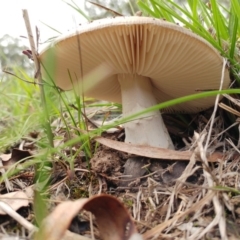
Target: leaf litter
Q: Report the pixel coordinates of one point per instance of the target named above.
(192, 198)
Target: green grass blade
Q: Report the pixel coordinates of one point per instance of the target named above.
(160, 106)
(193, 5)
(75, 7)
(236, 7)
(185, 18)
(146, 9)
(233, 32)
(54, 29)
(205, 14)
(219, 24)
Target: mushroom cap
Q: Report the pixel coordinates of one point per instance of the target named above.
(176, 61)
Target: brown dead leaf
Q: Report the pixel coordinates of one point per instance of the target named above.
(113, 220)
(15, 200)
(154, 152)
(5, 157)
(15, 156)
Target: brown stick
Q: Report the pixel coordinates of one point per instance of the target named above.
(38, 73)
(32, 45)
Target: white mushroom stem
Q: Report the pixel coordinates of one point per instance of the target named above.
(148, 129)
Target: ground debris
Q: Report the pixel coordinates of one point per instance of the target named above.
(106, 161)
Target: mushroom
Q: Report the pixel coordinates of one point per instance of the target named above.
(148, 60)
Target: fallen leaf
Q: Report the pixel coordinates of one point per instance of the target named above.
(154, 152)
(15, 200)
(15, 156)
(5, 157)
(113, 220)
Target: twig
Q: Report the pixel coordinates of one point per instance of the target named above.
(219, 218)
(91, 226)
(38, 74)
(215, 106)
(32, 44)
(7, 209)
(12, 74)
(107, 9)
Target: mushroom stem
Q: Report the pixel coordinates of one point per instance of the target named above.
(148, 129)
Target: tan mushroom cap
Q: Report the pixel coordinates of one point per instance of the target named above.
(176, 61)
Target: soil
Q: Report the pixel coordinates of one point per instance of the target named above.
(106, 161)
